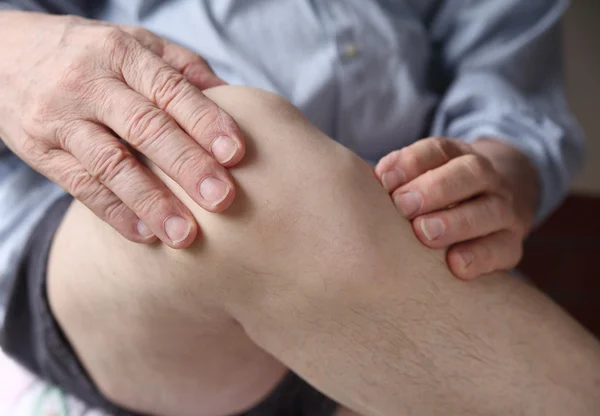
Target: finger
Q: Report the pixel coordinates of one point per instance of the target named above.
(169, 90)
(190, 64)
(499, 251)
(67, 171)
(404, 165)
(459, 179)
(156, 135)
(109, 162)
(474, 218)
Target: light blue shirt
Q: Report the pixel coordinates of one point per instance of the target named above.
(373, 75)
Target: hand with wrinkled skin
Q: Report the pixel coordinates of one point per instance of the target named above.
(72, 87)
(478, 200)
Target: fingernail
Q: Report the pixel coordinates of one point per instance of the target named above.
(143, 230)
(213, 190)
(466, 258)
(393, 179)
(224, 148)
(177, 229)
(409, 203)
(433, 228)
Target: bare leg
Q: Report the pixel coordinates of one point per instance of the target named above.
(315, 265)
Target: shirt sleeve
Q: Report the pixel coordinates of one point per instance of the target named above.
(76, 7)
(500, 62)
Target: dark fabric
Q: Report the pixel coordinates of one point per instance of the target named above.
(85, 8)
(30, 334)
(33, 337)
(294, 397)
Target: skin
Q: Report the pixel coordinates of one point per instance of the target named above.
(71, 86)
(68, 136)
(311, 269)
(92, 89)
(477, 201)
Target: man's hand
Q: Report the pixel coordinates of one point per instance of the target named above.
(72, 87)
(478, 200)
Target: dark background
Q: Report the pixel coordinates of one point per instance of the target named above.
(563, 257)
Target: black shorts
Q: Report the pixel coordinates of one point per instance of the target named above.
(33, 337)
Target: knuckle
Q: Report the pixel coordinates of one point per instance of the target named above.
(465, 223)
(437, 189)
(147, 125)
(409, 159)
(192, 161)
(34, 149)
(208, 119)
(435, 186)
(499, 210)
(139, 32)
(109, 162)
(117, 45)
(75, 77)
(461, 147)
(476, 166)
(391, 160)
(196, 68)
(64, 96)
(80, 184)
(151, 203)
(64, 134)
(444, 147)
(72, 26)
(167, 86)
(115, 38)
(503, 210)
(393, 157)
(146, 38)
(33, 116)
(114, 211)
(43, 113)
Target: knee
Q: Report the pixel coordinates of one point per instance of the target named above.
(243, 101)
(294, 186)
(310, 220)
(306, 217)
(308, 212)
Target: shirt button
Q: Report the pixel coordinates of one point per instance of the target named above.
(350, 50)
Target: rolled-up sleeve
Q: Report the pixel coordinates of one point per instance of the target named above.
(503, 62)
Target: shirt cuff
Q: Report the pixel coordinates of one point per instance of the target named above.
(537, 137)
